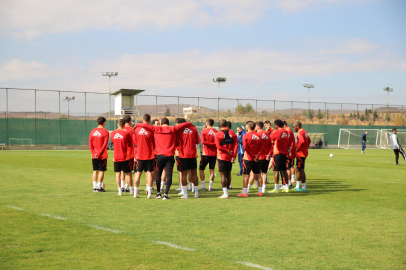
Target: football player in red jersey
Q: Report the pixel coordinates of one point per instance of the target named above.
(252, 146)
(209, 152)
(290, 165)
(303, 143)
(281, 151)
(128, 180)
(98, 140)
(121, 140)
(265, 153)
(227, 145)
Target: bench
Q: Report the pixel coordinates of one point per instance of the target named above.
(2, 145)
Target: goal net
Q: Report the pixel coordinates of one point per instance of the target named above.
(352, 138)
(19, 141)
(384, 141)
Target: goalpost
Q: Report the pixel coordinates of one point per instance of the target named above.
(384, 141)
(19, 141)
(351, 138)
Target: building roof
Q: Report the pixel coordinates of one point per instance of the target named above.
(128, 92)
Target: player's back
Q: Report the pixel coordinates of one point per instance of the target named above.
(292, 142)
(265, 144)
(98, 140)
(281, 141)
(121, 139)
(226, 141)
(188, 138)
(130, 150)
(252, 143)
(303, 143)
(144, 139)
(209, 136)
(165, 139)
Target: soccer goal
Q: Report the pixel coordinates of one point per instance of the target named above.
(19, 141)
(384, 141)
(351, 138)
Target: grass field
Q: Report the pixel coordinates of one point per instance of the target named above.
(353, 216)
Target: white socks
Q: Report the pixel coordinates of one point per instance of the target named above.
(94, 184)
(211, 184)
(122, 183)
(135, 191)
(149, 191)
(248, 188)
(225, 190)
(131, 189)
(293, 178)
(196, 191)
(276, 187)
(256, 182)
(119, 191)
(203, 186)
(289, 183)
(126, 186)
(304, 186)
(190, 185)
(162, 185)
(184, 188)
(263, 188)
(298, 184)
(245, 190)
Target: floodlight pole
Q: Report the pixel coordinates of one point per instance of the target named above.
(308, 96)
(219, 80)
(110, 74)
(387, 89)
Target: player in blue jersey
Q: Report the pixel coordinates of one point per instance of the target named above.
(364, 141)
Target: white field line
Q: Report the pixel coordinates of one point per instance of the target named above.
(54, 195)
(51, 216)
(174, 246)
(16, 208)
(255, 266)
(104, 229)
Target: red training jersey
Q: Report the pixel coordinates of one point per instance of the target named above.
(98, 140)
(266, 145)
(252, 145)
(187, 138)
(121, 140)
(303, 143)
(292, 143)
(209, 142)
(223, 150)
(144, 139)
(130, 150)
(280, 138)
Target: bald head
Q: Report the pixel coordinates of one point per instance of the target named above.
(297, 125)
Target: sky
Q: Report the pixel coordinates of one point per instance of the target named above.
(267, 49)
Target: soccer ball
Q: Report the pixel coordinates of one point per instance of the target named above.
(331, 155)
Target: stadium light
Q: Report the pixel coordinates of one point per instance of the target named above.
(109, 74)
(308, 86)
(68, 99)
(219, 80)
(387, 89)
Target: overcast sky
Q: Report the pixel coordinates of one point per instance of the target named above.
(350, 50)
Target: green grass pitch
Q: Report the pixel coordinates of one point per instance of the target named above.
(352, 217)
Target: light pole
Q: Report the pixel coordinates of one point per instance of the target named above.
(110, 74)
(68, 99)
(308, 106)
(219, 80)
(387, 89)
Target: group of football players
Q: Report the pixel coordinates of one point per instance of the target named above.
(155, 148)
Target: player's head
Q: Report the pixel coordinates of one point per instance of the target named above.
(155, 122)
(101, 121)
(366, 133)
(223, 123)
(239, 129)
(285, 124)
(394, 130)
(180, 121)
(204, 126)
(210, 122)
(297, 125)
(249, 125)
(260, 125)
(127, 119)
(146, 118)
(121, 123)
(228, 124)
(164, 121)
(278, 124)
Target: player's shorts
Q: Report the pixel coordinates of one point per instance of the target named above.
(123, 166)
(99, 165)
(264, 165)
(279, 162)
(186, 164)
(300, 162)
(163, 162)
(290, 163)
(146, 165)
(248, 166)
(224, 166)
(211, 160)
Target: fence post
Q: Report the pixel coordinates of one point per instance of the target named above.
(85, 107)
(178, 107)
(387, 115)
(218, 109)
(341, 122)
(198, 110)
(35, 117)
(60, 128)
(238, 113)
(325, 112)
(357, 115)
(291, 112)
(401, 115)
(274, 111)
(156, 107)
(256, 110)
(373, 115)
(6, 116)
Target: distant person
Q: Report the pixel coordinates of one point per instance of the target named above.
(364, 141)
(98, 140)
(396, 147)
(240, 151)
(320, 144)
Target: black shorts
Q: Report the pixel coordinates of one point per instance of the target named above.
(224, 166)
(290, 163)
(163, 162)
(177, 163)
(211, 160)
(248, 166)
(123, 166)
(99, 165)
(146, 165)
(279, 162)
(300, 162)
(264, 165)
(186, 164)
